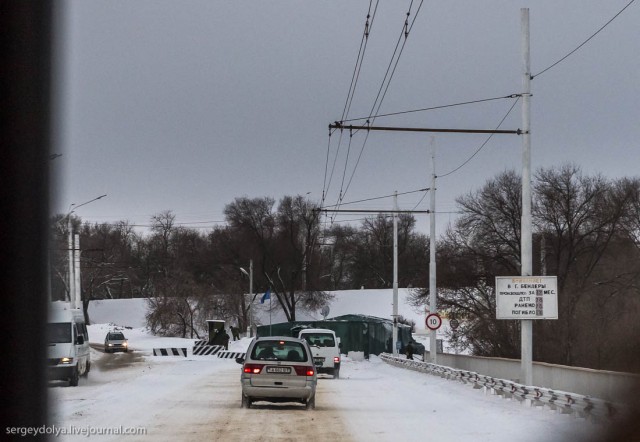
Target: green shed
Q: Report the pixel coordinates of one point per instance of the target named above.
(368, 334)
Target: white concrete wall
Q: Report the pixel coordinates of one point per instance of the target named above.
(607, 385)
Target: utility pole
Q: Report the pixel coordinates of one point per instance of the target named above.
(432, 259)
(250, 334)
(395, 212)
(526, 248)
(395, 275)
(250, 276)
(433, 341)
(71, 266)
(74, 275)
(77, 284)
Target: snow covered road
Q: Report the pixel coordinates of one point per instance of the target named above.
(198, 398)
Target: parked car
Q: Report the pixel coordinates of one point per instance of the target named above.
(115, 341)
(325, 347)
(278, 369)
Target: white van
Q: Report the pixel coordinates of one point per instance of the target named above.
(68, 339)
(325, 347)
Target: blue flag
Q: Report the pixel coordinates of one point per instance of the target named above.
(267, 295)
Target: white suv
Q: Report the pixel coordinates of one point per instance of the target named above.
(325, 347)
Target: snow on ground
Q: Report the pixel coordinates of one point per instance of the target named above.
(198, 397)
(372, 302)
(124, 312)
(382, 402)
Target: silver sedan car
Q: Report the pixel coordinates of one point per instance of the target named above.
(115, 341)
(278, 369)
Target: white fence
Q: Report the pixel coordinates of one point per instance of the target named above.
(562, 401)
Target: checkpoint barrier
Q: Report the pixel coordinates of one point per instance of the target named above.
(561, 401)
(231, 354)
(201, 348)
(173, 351)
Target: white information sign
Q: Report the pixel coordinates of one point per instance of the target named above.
(526, 297)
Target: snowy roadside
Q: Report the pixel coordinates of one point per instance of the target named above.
(198, 398)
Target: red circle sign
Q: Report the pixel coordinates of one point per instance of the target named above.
(434, 321)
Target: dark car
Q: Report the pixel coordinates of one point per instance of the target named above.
(115, 341)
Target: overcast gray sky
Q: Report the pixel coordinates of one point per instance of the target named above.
(183, 106)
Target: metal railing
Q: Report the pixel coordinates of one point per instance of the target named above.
(561, 401)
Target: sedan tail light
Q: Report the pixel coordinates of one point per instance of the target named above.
(302, 370)
(252, 368)
(336, 359)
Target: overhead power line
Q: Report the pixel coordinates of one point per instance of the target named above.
(483, 144)
(419, 202)
(379, 197)
(352, 88)
(464, 103)
(370, 211)
(584, 42)
(360, 58)
(406, 29)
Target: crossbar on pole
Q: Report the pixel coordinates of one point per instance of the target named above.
(337, 125)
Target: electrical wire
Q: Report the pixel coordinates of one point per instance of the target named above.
(421, 199)
(405, 31)
(346, 162)
(326, 168)
(584, 42)
(333, 167)
(384, 80)
(361, 51)
(352, 87)
(377, 198)
(464, 103)
(406, 36)
(483, 144)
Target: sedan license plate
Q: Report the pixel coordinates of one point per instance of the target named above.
(318, 361)
(284, 370)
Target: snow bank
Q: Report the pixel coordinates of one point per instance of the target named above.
(375, 302)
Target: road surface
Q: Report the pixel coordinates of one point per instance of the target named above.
(198, 399)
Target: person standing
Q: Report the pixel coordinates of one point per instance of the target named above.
(409, 351)
(225, 339)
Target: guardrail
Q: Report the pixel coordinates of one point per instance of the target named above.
(561, 401)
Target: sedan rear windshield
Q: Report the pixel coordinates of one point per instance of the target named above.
(320, 339)
(279, 351)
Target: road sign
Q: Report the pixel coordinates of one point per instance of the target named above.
(526, 297)
(434, 321)
(454, 324)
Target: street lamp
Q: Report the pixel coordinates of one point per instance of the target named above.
(250, 276)
(74, 274)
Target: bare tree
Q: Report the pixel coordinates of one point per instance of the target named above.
(286, 241)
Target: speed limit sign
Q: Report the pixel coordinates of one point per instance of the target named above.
(434, 321)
